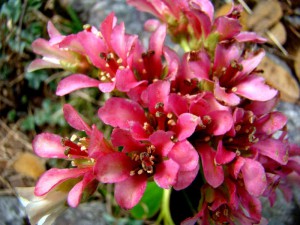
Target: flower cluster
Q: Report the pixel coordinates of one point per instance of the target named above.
(206, 113)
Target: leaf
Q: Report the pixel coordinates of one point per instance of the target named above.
(278, 75)
(150, 202)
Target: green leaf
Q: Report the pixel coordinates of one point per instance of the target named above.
(36, 78)
(12, 10)
(150, 202)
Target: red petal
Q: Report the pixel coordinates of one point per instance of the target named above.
(129, 192)
(125, 80)
(157, 93)
(222, 122)
(75, 82)
(48, 145)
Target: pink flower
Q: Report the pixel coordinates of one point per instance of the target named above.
(164, 114)
(56, 57)
(83, 155)
(168, 163)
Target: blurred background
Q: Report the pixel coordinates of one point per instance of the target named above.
(28, 104)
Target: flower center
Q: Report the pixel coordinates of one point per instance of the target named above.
(145, 161)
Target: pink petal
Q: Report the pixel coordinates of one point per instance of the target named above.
(107, 87)
(98, 145)
(118, 41)
(261, 108)
(151, 25)
(162, 142)
(274, 149)
(270, 123)
(222, 122)
(119, 112)
(157, 40)
(236, 166)
(158, 93)
(185, 178)
(252, 62)
(227, 27)
(186, 125)
(72, 43)
(224, 55)
(213, 173)
(107, 27)
(125, 80)
(177, 104)
(229, 98)
(48, 145)
(246, 36)
(185, 155)
(125, 139)
(254, 177)
(75, 82)
(42, 47)
(129, 192)
(224, 156)
(254, 88)
(172, 62)
(93, 46)
(38, 64)
(75, 194)
(75, 120)
(166, 173)
(52, 31)
(54, 176)
(114, 167)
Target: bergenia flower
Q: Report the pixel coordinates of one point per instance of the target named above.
(83, 155)
(168, 163)
(56, 57)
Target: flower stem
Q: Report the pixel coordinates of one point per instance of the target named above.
(165, 213)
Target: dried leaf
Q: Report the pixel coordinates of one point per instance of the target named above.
(279, 77)
(265, 15)
(279, 32)
(29, 165)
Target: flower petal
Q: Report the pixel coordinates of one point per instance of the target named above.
(54, 176)
(166, 173)
(75, 120)
(75, 82)
(254, 88)
(48, 145)
(224, 156)
(222, 122)
(213, 173)
(185, 125)
(162, 142)
(125, 80)
(75, 194)
(38, 64)
(118, 112)
(185, 178)
(254, 177)
(158, 93)
(114, 167)
(129, 192)
(274, 149)
(185, 155)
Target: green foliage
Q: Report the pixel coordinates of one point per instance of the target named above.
(150, 202)
(36, 78)
(51, 114)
